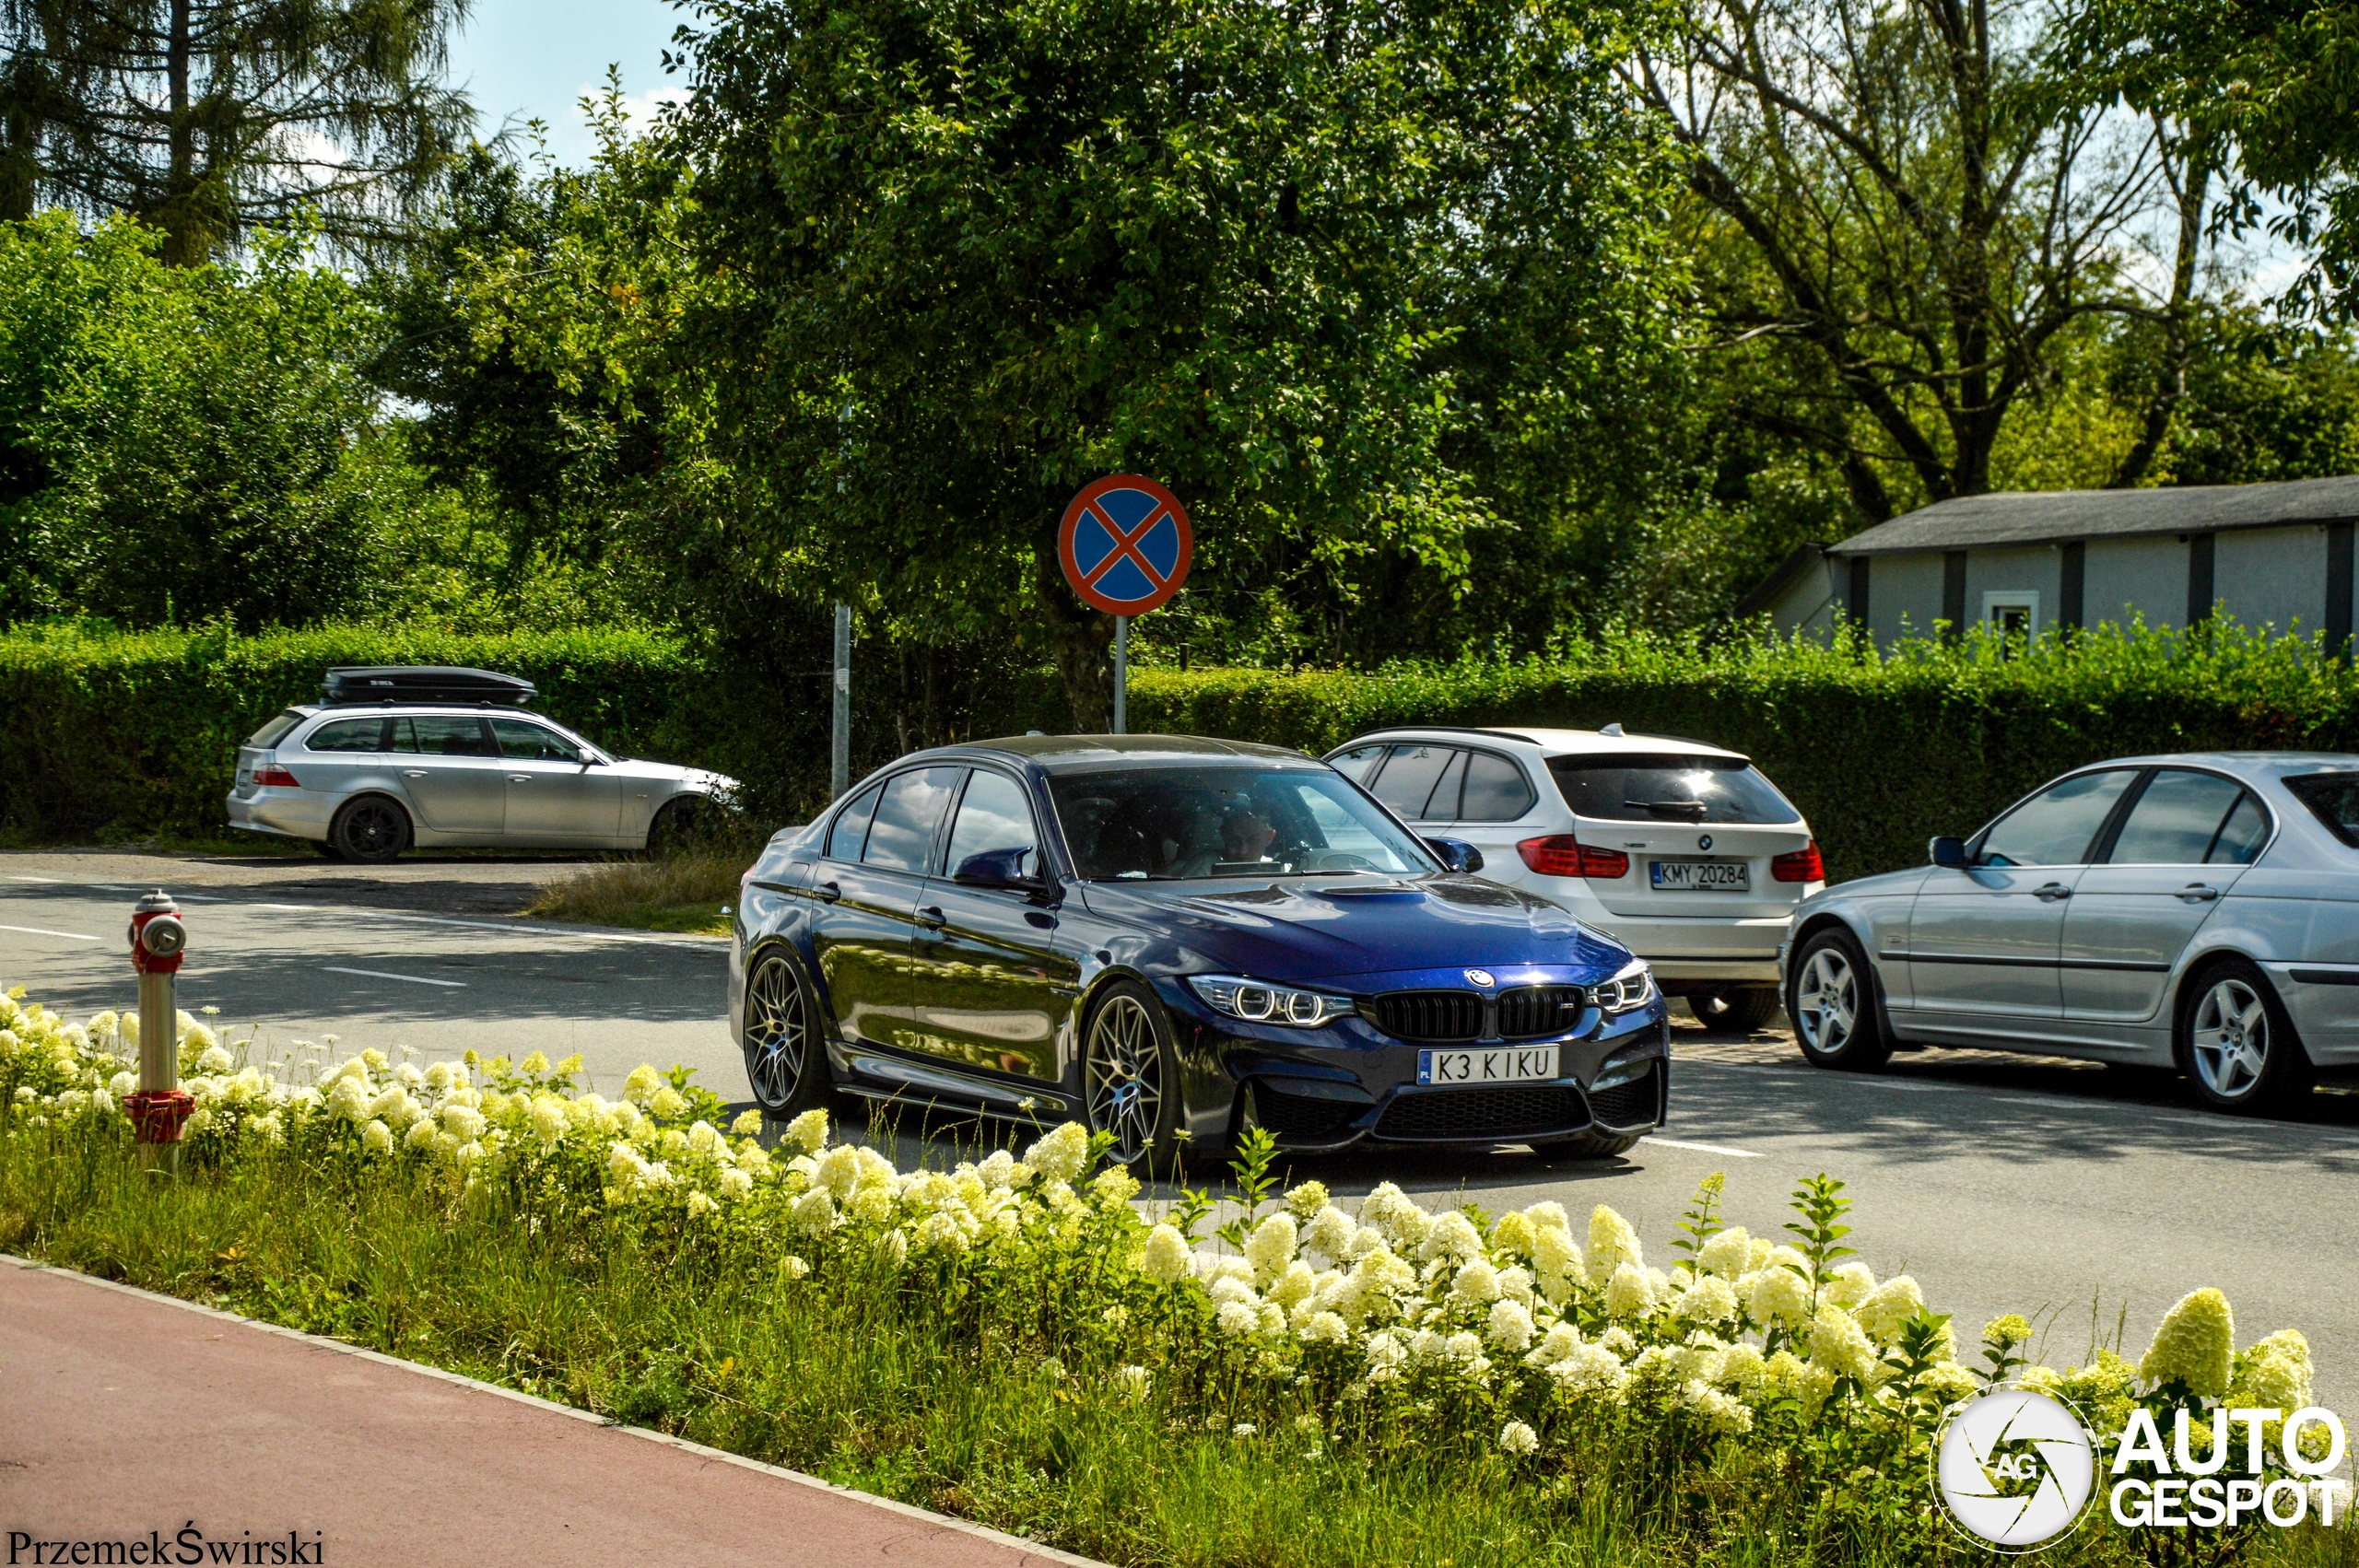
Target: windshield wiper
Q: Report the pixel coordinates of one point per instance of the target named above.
(1679, 807)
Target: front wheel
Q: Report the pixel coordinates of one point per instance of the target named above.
(786, 1060)
(1831, 999)
(2237, 1043)
(372, 829)
(1734, 1011)
(1130, 1077)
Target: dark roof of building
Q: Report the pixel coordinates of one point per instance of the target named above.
(2047, 517)
(1781, 577)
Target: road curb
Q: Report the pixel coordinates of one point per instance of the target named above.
(885, 1504)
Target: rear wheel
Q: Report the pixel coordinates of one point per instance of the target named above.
(2236, 1044)
(786, 1060)
(1831, 999)
(1737, 1010)
(1130, 1077)
(372, 829)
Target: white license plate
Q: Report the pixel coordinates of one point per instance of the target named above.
(1507, 1064)
(1700, 876)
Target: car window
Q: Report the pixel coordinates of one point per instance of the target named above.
(276, 730)
(993, 815)
(450, 734)
(1497, 789)
(1639, 787)
(907, 817)
(1408, 780)
(527, 742)
(2333, 799)
(1358, 763)
(2175, 819)
(347, 735)
(2241, 836)
(2055, 827)
(848, 833)
(1237, 819)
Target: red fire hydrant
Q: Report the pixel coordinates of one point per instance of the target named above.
(157, 940)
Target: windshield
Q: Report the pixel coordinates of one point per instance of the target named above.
(1623, 787)
(1239, 819)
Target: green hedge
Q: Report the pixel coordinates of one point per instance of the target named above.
(120, 735)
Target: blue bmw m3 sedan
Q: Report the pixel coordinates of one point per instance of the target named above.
(1173, 939)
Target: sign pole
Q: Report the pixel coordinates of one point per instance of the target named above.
(840, 763)
(1121, 670)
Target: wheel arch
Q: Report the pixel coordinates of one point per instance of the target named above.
(372, 793)
(1834, 919)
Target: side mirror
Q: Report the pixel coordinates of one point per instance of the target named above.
(994, 868)
(1456, 854)
(1947, 851)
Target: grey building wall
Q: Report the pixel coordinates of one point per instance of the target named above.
(2271, 576)
(2131, 576)
(2037, 568)
(1812, 600)
(1903, 595)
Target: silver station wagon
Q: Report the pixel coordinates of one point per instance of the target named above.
(444, 759)
(2198, 912)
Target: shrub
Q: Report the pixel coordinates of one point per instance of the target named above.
(1754, 1401)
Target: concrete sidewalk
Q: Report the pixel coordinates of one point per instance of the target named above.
(129, 1417)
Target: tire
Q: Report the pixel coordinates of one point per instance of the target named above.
(1830, 995)
(2236, 1044)
(681, 826)
(326, 851)
(1739, 1010)
(786, 1056)
(1130, 1077)
(371, 830)
(1592, 1146)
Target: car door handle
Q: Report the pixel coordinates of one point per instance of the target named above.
(520, 779)
(829, 892)
(2051, 893)
(932, 917)
(413, 773)
(2199, 893)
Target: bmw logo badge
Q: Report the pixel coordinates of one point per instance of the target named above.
(1704, 841)
(1480, 977)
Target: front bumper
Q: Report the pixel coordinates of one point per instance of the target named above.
(1349, 1082)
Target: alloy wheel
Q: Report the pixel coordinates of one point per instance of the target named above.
(1826, 1003)
(2230, 1039)
(372, 829)
(1124, 1071)
(778, 1032)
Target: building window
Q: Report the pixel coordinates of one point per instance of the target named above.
(2011, 614)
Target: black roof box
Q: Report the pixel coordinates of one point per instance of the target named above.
(424, 683)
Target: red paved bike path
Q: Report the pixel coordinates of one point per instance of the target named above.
(126, 1417)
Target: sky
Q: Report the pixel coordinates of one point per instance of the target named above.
(517, 59)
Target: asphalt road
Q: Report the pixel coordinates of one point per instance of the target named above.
(2087, 1197)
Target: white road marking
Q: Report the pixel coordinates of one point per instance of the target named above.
(382, 975)
(38, 930)
(684, 942)
(20, 877)
(1704, 1148)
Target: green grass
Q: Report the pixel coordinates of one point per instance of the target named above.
(674, 892)
(884, 1384)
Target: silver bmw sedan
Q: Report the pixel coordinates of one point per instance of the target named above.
(2199, 912)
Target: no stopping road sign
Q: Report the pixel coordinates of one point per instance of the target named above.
(1125, 543)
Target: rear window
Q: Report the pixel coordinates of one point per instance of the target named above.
(276, 730)
(2333, 799)
(1635, 786)
(347, 735)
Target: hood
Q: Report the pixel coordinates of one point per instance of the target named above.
(671, 773)
(1336, 930)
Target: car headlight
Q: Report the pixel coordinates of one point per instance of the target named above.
(1632, 985)
(1256, 1002)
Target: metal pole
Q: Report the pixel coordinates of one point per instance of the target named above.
(1121, 671)
(839, 762)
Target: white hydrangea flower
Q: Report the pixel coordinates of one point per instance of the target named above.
(1386, 1356)
(1329, 1233)
(1307, 1200)
(735, 1183)
(1722, 1413)
(1837, 1344)
(1613, 1245)
(1238, 1318)
(1227, 1288)
(1510, 1326)
(939, 1232)
(808, 1132)
(1888, 1309)
(1134, 1381)
(1591, 1369)
(1476, 1284)
(1629, 1292)
(1451, 1235)
(893, 1248)
(1325, 1328)
(377, 1138)
(1778, 1297)
(420, 1135)
(813, 1212)
(1850, 1284)
(1060, 1156)
(1518, 1439)
(641, 1086)
(1271, 1247)
(1167, 1258)
(213, 1058)
(1727, 1252)
(123, 1083)
(1561, 1340)
(1709, 1299)
(701, 1204)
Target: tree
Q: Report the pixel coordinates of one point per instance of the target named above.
(1352, 277)
(1914, 210)
(208, 118)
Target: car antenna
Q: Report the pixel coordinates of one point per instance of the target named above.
(1614, 730)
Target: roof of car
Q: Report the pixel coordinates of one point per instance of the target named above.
(2249, 762)
(1054, 750)
(1560, 742)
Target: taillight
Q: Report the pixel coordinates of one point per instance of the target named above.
(1560, 854)
(1800, 865)
(277, 777)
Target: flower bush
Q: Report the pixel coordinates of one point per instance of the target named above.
(1380, 1329)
